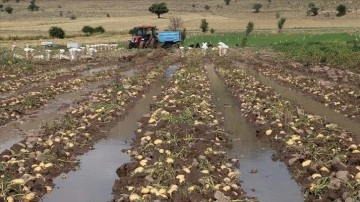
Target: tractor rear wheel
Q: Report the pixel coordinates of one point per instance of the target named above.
(154, 44)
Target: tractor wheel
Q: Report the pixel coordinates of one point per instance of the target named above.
(142, 45)
(154, 44)
(128, 45)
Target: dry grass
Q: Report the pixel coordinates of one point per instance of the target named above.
(125, 14)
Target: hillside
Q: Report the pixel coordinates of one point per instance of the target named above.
(120, 16)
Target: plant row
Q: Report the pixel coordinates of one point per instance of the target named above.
(323, 158)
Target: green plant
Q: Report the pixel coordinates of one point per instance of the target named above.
(212, 30)
(183, 34)
(99, 29)
(227, 2)
(204, 26)
(249, 28)
(257, 7)
(56, 32)
(159, 9)
(107, 15)
(207, 7)
(9, 9)
(341, 9)
(33, 7)
(313, 10)
(281, 23)
(88, 30)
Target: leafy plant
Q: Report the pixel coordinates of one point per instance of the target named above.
(33, 7)
(281, 23)
(56, 32)
(87, 30)
(249, 28)
(204, 26)
(9, 9)
(159, 9)
(341, 9)
(207, 7)
(227, 2)
(257, 7)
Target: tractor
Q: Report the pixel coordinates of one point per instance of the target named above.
(147, 37)
(143, 37)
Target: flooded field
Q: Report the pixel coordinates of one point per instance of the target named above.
(155, 126)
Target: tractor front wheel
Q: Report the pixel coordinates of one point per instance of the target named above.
(129, 45)
(142, 45)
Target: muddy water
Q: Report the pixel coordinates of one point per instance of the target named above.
(14, 132)
(261, 177)
(94, 179)
(308, 104)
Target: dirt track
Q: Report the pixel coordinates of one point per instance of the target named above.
(180, 149)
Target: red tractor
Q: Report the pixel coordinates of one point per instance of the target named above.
(143, 37)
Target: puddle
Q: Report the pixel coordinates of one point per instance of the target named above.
(54, 109)
(170, 71)
(272, 181)
(94, 179)
(308, 104)
(95, 70)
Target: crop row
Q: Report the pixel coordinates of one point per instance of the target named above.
(179, 152)
(322, 157)
(28, 167)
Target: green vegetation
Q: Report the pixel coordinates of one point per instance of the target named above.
(227, 2)
(56, 32)
(249, 28)
(33, 7)
(337, 49)
(88, 30)
(313, 9)
(257, 7)
(341, 9)
(204, 26)
(281, 23)
(159, 9)
(9, 9)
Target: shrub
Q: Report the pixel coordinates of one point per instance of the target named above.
(257, 7)
(207, 7)
(99, 29)
(227, 2)
(341, 9)
(313, 10)
(107, 15)
(88, 30)
(72, 17)
(249, 28)
(9, 9)
(212, 30)
(281, 23)
(204, 26)
(33, 7)
(56, 32)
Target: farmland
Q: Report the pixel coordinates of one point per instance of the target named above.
(277, 120)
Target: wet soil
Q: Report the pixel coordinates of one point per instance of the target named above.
(181, 151)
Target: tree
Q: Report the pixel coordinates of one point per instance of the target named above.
(183, 34)
(9, 9)
(313, 10)
(176, 23)
(257, 7)
(281, 23)
(33, 7)
(204, 26)
(159, 9)
(249, 28)
(56, 32)
(227, 2)
(341, 9)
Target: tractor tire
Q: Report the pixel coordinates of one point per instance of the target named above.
(128, 45)
(154, 44)
(142, 45)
